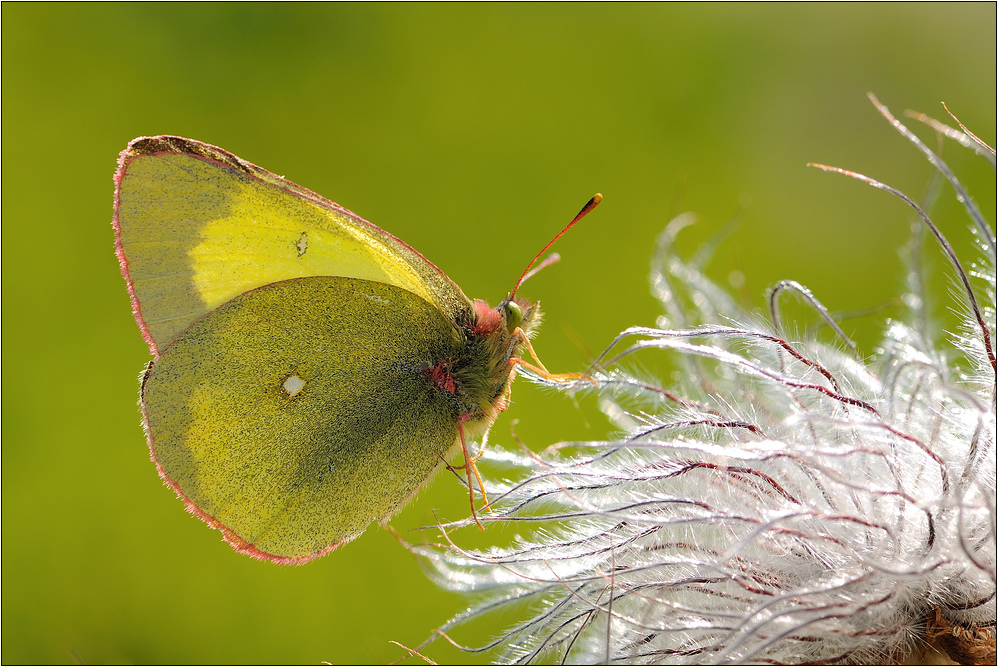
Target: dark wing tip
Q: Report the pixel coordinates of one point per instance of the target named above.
(167, 143)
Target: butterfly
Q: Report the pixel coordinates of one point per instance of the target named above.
(311, 372)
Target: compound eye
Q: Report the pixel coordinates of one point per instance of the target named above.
(514, 316)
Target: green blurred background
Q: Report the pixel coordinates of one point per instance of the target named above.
(473, 132)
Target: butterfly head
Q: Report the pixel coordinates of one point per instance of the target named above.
(518, 313)
(502, 322)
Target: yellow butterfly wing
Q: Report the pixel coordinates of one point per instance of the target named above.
(196, 226)
(297, 413)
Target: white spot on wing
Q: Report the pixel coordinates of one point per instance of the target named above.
(293, 385)
(377, 299)
(302, 244)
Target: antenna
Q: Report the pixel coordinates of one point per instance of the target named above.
(553, 258)
(590, 205)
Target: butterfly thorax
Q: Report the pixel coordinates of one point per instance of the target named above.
(483, 372)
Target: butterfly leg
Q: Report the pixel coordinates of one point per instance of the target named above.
(540, 369)
(469, 463)
(469, 467)
(474, 459)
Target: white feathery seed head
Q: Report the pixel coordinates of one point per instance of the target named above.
(784, 501)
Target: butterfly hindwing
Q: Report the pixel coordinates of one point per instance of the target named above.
(296, 414)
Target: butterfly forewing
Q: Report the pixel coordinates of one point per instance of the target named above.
(197, 226)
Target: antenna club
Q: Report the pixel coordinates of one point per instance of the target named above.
(590, 205)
